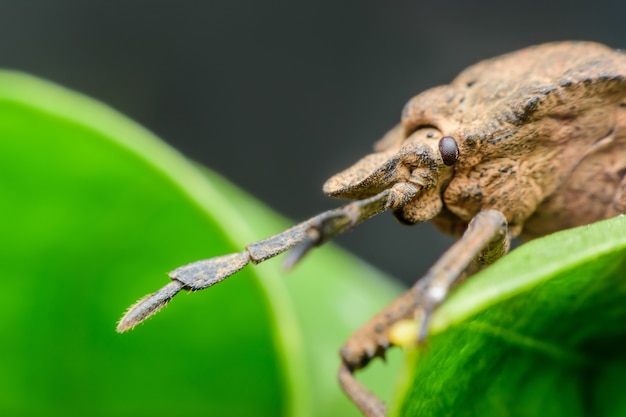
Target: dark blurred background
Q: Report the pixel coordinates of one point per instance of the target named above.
(279, 95)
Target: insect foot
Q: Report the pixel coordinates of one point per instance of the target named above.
(521, 145)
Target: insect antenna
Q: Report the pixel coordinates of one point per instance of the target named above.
(302, 238)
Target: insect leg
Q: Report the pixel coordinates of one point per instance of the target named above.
(304, 236)
(364, 345)
(367, 402)
(485, 240)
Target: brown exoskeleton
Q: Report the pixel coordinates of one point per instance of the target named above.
(517, 146)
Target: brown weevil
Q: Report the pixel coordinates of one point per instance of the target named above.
(521, 145)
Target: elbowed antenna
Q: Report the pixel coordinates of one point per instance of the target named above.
(304, 236)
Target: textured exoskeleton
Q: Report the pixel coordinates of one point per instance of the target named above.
(517, 146)
(540, 135)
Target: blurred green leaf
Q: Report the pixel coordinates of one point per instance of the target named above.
(541, 332)
(94, 211)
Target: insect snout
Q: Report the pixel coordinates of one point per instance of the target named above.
(415, 162)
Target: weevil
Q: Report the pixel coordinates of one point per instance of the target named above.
(517, 146)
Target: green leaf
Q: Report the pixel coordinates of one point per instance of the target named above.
(541, 332)
(94, 211)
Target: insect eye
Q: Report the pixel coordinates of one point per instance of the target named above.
(449, 150)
